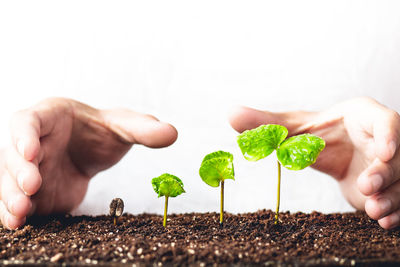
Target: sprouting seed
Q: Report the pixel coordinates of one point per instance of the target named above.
(116, 209)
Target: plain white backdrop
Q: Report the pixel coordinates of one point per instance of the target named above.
(188, 63)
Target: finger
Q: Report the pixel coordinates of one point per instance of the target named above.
(386, 131)
(24, 173)
(25, 133)
(382, 204)
(16, 202)
(382, 123)
(137, 128)
(29, 125)
(8, 220)
(379, 176)
(245, 118)
(391, 221)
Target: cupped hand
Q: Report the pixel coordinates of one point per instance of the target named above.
(58, 145)
(362, 150)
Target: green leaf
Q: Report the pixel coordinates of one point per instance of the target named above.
(218, 154)
(260, 142)
(216, 167)
(167, 185)
(300, 151)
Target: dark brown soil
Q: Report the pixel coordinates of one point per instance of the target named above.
(197, 239)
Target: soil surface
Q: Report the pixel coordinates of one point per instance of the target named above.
(197, 239)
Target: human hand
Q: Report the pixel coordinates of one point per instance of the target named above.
(362, 139)
(58, 145)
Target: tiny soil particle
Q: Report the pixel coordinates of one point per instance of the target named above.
(196, 239)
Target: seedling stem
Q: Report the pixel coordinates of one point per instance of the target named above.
(279, 193)
(165, 211)
(167, 185)
(221, 215)
(215, 168)
(294, 153)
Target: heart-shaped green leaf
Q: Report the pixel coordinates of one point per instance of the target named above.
(216, 167)
(260, 142)
(218, 154)
(167, 185)
(300, 151)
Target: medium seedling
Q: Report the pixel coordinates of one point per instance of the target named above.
(215, 168)
(116, 209)
(167, 185)
(294, 153)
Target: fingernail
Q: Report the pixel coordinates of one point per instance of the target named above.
(13, 223)
(384, 205)
(21, 147)
(22, 176)
(376, 182)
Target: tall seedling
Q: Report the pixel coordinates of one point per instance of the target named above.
(294, 153)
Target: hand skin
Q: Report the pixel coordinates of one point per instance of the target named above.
(362, 139)
(58, 145)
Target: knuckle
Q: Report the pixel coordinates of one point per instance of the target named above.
(25, 115)
(391, 172)
(54, 102)
(15, 117)
(394, 117)
(8, 162)
(392, 120)
(366, 100)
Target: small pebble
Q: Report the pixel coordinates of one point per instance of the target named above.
(56, 257)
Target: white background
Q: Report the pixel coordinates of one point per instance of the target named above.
(188, 63)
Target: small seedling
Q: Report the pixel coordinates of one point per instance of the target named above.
(167, 185)
(294, 153)
(215, 168)
(116, 209)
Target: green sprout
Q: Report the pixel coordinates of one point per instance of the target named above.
(214, 170)
(167, 185)
(294, 153)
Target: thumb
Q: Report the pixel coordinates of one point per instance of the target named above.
(137, 128)
(245, 118)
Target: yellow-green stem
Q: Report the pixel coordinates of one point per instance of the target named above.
(278, 194)
(221, 214)
(165, 211)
